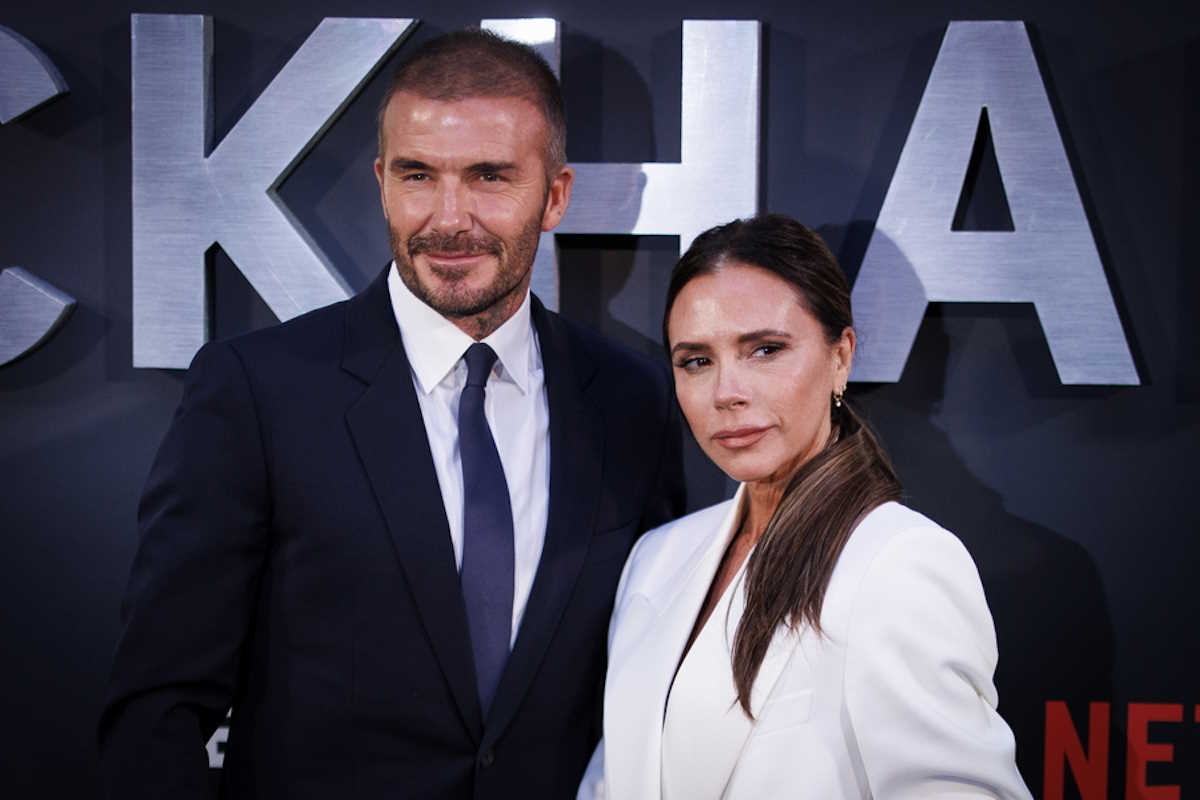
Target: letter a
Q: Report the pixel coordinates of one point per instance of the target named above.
(1049, 259)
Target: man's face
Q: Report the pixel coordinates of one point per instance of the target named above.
(466, 194)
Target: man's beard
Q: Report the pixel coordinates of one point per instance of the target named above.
(450, 299)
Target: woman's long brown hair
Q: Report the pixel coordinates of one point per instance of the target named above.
(789, 570)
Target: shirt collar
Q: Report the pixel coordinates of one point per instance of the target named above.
(442, 343)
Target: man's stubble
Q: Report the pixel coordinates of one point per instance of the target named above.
(487, 308)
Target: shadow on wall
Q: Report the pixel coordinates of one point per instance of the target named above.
(1053, 624)
(617, 283)
(1188, 369)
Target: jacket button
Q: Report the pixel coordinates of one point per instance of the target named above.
(487, 758)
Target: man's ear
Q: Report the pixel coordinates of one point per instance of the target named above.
(558, 197)
(379, 180)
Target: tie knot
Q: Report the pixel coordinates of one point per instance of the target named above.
(480, 359)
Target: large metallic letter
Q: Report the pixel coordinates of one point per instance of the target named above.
(1050, 259)
(27, 77)
(31, 310)
(185, 199)
(717, 177)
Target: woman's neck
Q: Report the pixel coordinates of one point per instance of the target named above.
(762, 498)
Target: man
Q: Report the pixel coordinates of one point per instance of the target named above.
(389, 532)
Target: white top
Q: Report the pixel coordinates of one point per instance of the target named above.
(894, 701)
(516, 408)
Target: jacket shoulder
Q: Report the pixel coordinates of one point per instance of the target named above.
(890, 538)
(661, 552)
(321, 330)
(891, 524)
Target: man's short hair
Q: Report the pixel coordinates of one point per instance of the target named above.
(477, 63)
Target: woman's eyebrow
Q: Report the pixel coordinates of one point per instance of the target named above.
(688, 346)
(763, 333)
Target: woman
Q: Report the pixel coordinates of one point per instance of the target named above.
(812, 637)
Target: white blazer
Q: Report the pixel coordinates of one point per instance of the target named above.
(894, 700)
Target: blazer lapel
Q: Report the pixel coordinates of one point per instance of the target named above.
(642, 677)
(720, 748)
(388, 432)
(576, 460)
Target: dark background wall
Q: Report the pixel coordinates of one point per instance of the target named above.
(1078, 503)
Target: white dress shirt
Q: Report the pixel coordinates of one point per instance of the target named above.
(517, 412)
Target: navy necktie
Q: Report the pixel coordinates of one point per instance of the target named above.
(488, 554)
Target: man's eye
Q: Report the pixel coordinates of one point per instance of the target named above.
(416, 177)
(490, 177)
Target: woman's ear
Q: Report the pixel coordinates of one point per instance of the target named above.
(843, 358)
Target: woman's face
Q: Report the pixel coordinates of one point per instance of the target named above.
(754, 371)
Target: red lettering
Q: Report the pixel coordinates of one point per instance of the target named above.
(1063, 748)
(1141, 752)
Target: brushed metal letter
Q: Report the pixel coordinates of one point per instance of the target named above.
(1050, 259)
(717, 177)
(31, 310)
(185, 198)
(29, 77)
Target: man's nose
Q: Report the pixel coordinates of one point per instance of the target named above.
(452, 207)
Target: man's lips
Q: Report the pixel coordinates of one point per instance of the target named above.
(454, 255)
(741, 437)
(454, 260)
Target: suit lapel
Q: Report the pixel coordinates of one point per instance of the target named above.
(725, 737)
(386, 426)
(576, 458)
(642, 677)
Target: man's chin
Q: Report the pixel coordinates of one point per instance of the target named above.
(461, 269)
(454, 291)
(459, 301)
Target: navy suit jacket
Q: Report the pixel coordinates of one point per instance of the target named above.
(295, 562)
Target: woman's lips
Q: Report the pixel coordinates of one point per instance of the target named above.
(740, 438)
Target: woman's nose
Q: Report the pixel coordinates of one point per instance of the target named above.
(729, 390)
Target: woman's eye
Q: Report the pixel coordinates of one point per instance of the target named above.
(767, 350)
(692, 364)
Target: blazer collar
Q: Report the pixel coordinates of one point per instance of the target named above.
(385, 425)
(635, 701)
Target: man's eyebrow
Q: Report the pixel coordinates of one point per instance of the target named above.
(400, 164)
(482, 167)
